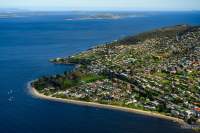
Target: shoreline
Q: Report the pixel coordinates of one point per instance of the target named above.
(36, 94)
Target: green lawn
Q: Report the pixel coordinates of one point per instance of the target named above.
(91, 78)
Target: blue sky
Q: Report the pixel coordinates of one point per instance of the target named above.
(102, 4)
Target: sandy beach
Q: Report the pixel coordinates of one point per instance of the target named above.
(36, 94)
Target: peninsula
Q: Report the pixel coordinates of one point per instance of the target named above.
(157, 72)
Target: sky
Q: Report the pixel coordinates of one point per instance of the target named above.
(156, 5)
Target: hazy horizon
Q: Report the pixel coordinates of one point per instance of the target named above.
(97, 10)
(101, 5)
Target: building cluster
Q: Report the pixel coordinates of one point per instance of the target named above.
(159, 74)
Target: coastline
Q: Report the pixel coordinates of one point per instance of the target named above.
(36, 94)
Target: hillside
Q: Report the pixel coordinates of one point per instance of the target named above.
(157, 71)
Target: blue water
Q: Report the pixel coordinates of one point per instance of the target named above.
(27, 43)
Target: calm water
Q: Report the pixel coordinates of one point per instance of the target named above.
(27, 43)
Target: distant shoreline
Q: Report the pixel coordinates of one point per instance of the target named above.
(36, 94)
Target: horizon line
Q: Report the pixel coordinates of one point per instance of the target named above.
(95, 10)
